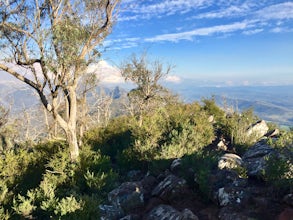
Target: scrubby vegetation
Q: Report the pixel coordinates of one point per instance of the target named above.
(40, 181)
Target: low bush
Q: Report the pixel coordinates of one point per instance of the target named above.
(235, 128)
(168, 133)
(112, 139)
(197, 168)
(60, 190)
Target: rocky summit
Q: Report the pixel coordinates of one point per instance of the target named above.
(237, 189)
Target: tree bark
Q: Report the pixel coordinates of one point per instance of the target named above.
(69, 123)
(72, 142)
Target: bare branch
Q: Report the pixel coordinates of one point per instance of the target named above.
(19, 76)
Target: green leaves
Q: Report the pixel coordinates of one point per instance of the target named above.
(44, 183)
(67, 205)
(24, 205)
(148, 94)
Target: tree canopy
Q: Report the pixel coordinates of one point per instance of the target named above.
(48, 44)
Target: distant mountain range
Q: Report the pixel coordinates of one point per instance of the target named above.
(272, 103)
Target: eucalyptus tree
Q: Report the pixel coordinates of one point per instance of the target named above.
(48, 45)
(149, 94)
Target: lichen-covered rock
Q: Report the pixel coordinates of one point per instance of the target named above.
(188, 215)
(169, 187)
(175, 166)
(258, 130)
(222, 145)
(260, 149)
(148, 183)
(273, 133)
(127, 196)
(255, 157)
(166, 212)
(232, 196)
(222, 178)
(110, 212)
(229, 161)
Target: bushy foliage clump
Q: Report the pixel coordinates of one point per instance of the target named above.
(235, 128)
(169, 133)
(112, 139)
(279, 170)
(197, 168)
(212, 109)
(60, 188)
(188, 131)
(284, 139)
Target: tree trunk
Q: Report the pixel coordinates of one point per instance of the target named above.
(72, 142)
(82, 117)
(69, 125)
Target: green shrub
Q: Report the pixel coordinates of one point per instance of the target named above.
(211, 108)
(170, 132)
(197, 168)
(67, 205)
(129, 159)
(24, 205)
(278, 169)
(188, 131)
(4, 215)
(60, 189)
(5, 194)
(285, 139)
(235, 128)
(112, 139)
(279, 173)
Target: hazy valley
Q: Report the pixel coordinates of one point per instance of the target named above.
(271, 103)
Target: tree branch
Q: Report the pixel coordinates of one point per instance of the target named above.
(29, 82)
(19, 76)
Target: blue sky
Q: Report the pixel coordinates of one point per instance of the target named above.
(226, 40)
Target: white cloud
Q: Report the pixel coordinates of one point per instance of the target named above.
(173, 79)
(253, 31)
(252, 9)
(281, 30)
(188, 35)
(118, 44)
(231, 11)
(172, 6)
(249, 17)
(277, 11)
(106, 73)
(142, 10)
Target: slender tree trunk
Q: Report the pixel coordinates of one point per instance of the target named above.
(72, 142)
(140, 119)
(71, 132)
(49, 129)
(69, 125)
(81, 133)
(82, 117)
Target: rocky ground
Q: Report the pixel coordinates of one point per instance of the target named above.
(232, 195)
